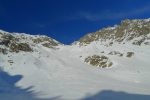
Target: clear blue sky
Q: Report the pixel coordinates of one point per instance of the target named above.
(67, 20)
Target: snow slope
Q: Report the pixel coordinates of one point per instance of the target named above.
(61, 73)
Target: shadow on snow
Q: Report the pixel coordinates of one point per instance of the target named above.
(8, 90)
(112, 95)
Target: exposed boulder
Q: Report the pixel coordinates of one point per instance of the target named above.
(116, 53)
(139, 42)
(130, 54)
(10, 62)
(99, 61)
(147, 43)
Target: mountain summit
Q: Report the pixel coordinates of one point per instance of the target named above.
(114, 58)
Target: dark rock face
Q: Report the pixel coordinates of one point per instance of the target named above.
(45, 39)
(16, 47)
(6, 39)
(5, 42)
(4, 51)
(48, 45)
(13, 44)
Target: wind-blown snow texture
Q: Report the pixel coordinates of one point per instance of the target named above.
(59, 72)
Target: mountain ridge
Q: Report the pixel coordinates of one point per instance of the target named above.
(85, 67)
(126, 21)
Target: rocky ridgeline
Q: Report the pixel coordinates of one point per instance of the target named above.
(136, 31)
(46, 41)
(13, 42)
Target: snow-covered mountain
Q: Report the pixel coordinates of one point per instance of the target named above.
(112, 59)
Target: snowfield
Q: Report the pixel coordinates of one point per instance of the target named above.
(53, 71)
(62, 72)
